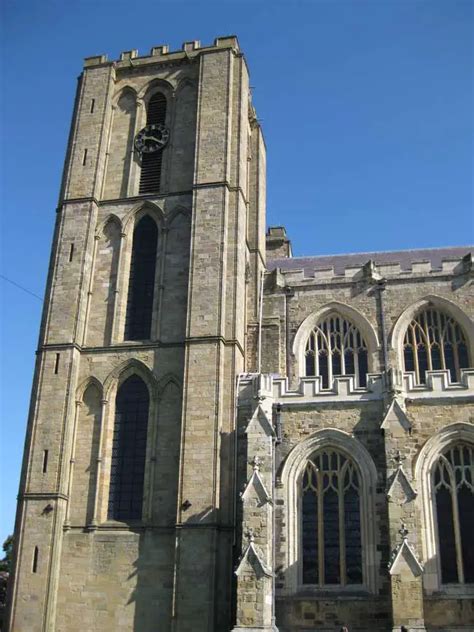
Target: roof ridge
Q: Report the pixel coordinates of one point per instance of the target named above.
(376, 252)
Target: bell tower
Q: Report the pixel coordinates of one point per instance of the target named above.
(126, 512)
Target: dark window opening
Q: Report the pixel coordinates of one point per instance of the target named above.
(128, 451)
(34, 566)
(331, 521)
(141, 281)
(45, 461)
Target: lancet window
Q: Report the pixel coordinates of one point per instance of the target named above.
(434, 340)
(141, 280)
(453, 479)
(336, 347)
(151, 163)
(128, 451)
(331, 521)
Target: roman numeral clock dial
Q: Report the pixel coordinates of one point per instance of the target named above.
(151, 138)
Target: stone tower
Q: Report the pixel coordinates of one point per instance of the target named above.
(126, 516)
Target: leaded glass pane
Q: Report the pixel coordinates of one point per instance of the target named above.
(353, 537)
(433, 341)
(338, 348)
(141, 281)
(310, 537)
(466, 523)
(331, 538)
(128, 450)
(331, 486)
(447, 544)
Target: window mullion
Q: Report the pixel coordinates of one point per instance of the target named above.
(330, 385)
(415, 352)
(342, 533)
(321, 578)
(457, 527)
(441, 340)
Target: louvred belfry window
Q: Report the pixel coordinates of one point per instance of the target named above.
(128, 450)
(151, 164)
(331, 521)
(434, 340)
(141, 281)
(453, 480)
(336, 347)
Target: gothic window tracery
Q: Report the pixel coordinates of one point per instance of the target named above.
(434, 340)
(128, 450)
(141, 280)
(453, 485)
(151, 164)
(336, 347)
(331, 521)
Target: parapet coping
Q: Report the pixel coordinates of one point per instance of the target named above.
(371, 271)
(162, 52)
(309, 389)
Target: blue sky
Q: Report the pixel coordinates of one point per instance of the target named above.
(366, 108)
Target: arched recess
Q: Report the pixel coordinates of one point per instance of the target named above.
(104, 285)
(175, 276)
(120, 151)
(397, 334)
(166, 445)
(85, 453)
(440, 442)
(121, 372)
(291, 478)
(131, 370)
(149, 268)
(346, 311)
(181, 170)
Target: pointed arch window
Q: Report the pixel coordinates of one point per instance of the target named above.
(151, 164)
(434, 340)
(453, 480)
(331, 521)
(128, 450)
(142, 280)
(336, 347)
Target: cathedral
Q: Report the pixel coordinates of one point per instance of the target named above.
(223, 437)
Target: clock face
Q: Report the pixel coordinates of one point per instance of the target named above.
(151, 138)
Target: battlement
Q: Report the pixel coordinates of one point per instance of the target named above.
(370, 267)
(162, 52)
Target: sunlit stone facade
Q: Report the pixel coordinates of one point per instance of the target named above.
(222, 436)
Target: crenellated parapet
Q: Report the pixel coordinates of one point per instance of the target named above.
(162, 53)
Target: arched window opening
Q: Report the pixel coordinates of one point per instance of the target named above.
(150, 176)
(336, 347)
(141, 281)
(434, 340)
(331, 521)
(128, 451)
(453, 480)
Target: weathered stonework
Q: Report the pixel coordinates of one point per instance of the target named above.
(233, 415)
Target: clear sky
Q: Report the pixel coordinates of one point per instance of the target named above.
(367, 109)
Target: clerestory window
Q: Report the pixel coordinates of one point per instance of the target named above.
(331, 521)
(453, 480)
(434, 340)
(336, 347)
(128, 450)
(151, 163)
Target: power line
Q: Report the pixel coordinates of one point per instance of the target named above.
(21, 287)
